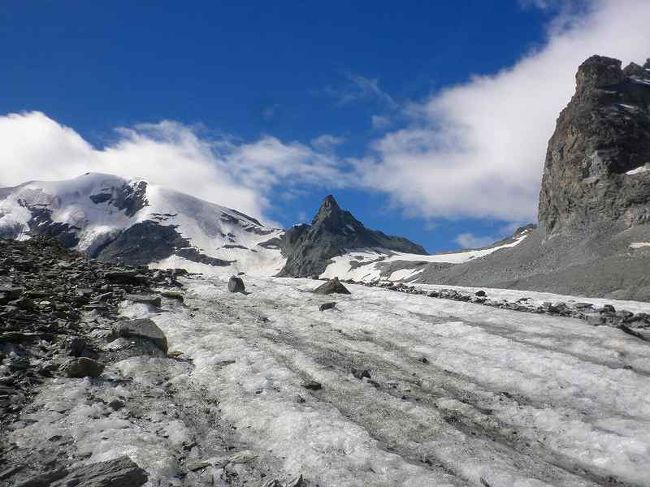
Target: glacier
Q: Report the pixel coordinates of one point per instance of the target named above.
(455, 393)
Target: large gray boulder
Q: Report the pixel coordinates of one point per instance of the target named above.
(82, 367)
(144, 329)
(333, 286)
(120, 472)
(236, 285)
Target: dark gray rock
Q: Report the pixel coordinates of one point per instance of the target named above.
(236, 285)
(332, 232)
(326, 306)
(45, 479)
(176, 295)
(148, 299)
(82, 367)
(333, 286)
(120, 472)
(143, 328)
(602, 134)
(312, 385)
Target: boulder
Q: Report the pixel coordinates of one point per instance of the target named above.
(120, 472)
(82, 367)
(236, 285)
(326, 306)
(141, 328)
(125, 277)
(333, 286)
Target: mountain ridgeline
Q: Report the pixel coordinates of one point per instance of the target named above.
(593, 235)
(333, 231)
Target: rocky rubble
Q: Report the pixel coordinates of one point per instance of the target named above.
(53, 305)
(635, 324)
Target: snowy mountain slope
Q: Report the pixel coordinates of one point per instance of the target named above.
(502, 399)
(131, 221)
(366, 265)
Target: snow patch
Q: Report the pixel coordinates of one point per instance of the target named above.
(639, 170)
(372, 260)
(639, 245)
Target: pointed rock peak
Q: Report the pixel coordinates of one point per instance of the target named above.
(329, 203)
(599, 71)
(328, 207)
(633, 69)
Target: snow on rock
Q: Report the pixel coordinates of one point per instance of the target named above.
(97, 207)
(368, 265)
(639, 245)
(639, 170)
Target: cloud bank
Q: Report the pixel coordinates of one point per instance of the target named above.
(477, 149)
(234, 174)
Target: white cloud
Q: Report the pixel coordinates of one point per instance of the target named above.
(238, 175)
(362, 88)
(478, 149)
(327, 142)
(379, 122)
(471, 241)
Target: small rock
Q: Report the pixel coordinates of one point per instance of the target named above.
(194, 465)
(148, 299)
(480, 293)
(125, 277)
(332, 286)
(173, 295)
(236, 285)
(116, 404)
(326, 306)
(312, 385)
(361, 373)
(82, 367)
(76, 346)
(424, 360)
(607, 309)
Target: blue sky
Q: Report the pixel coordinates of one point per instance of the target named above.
(365, 77)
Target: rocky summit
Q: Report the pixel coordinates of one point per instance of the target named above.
(333, 231)
(593, 236)
(597, 167)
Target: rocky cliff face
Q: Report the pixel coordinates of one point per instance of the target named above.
(309, 248)
(597, 167)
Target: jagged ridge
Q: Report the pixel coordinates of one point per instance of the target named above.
(332, 232)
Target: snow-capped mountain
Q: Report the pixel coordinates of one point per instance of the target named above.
(134, 222)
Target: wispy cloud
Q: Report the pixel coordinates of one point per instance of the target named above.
(327, 142)
(241, 175)
(477, 149)
(471, 241)
(360, 88)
